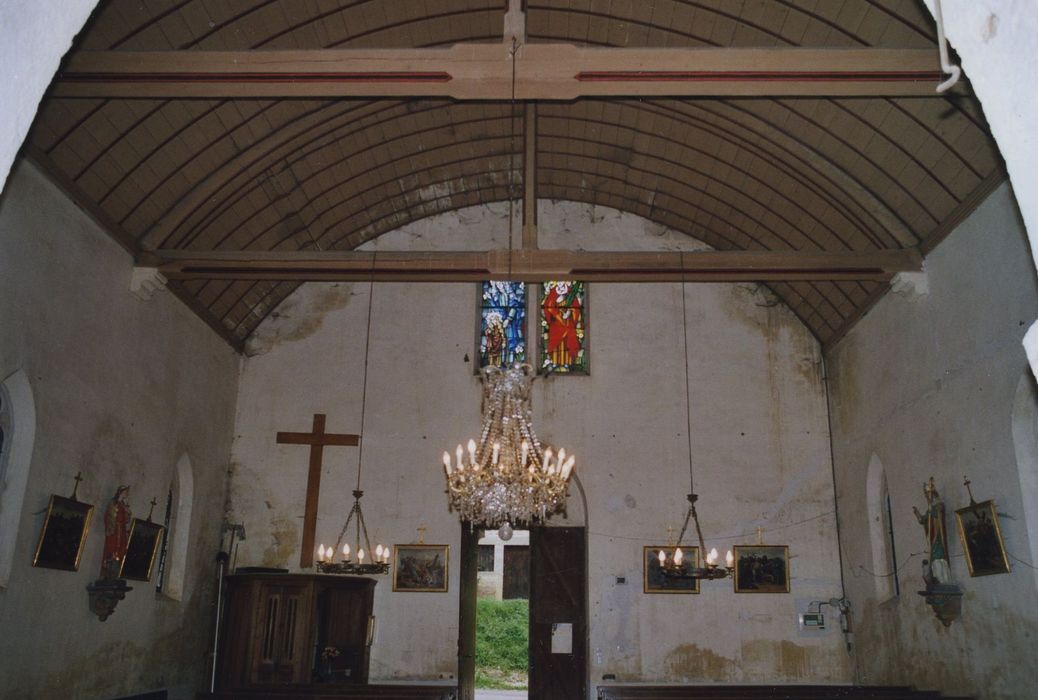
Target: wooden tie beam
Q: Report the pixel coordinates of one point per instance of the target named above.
(535, 265)
(485, 72)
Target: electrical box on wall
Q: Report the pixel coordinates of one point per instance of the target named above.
(812, 622)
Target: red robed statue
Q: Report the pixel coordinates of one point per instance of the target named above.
(117, 533)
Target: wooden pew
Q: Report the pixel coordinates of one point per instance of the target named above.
(761, 692)
(387, 691)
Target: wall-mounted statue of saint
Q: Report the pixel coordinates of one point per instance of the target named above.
(937, 571)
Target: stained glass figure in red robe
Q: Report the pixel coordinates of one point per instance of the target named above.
(563, 330)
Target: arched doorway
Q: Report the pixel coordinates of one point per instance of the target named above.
(558, 621)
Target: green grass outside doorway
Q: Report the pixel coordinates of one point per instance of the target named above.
(502, 643)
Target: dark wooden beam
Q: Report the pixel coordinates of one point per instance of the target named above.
(536, 265)
(485, 72)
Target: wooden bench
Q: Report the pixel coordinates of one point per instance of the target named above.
(387, 691)
(761, 692)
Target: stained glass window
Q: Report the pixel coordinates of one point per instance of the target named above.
(502, 324)
(563, 327)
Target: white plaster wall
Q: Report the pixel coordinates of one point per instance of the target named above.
(929, 386)
(122, 388)
(34, 35)
(760, 444)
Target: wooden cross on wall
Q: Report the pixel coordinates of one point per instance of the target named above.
(317, 441)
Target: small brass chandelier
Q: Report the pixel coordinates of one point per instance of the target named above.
(367, 561)
(675, 566)
(507, 476)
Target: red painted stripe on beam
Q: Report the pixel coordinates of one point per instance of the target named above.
(253, 77)
(646, 76)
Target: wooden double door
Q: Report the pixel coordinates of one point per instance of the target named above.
(558, 613)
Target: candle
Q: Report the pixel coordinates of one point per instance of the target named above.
(678, 555)
(346, 552)
(320, 553)
(360, 556)
(729, 560)
(447, 463)
(663, 558)
(711, 559)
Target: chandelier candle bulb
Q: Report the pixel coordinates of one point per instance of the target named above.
(346, 552)
(447, 463)
(729, 560)
(711, 559)
(320, 553)
(678, 557)
(360, 556)
(663, 558)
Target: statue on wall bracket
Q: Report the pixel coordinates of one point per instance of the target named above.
(106, 592)
(941, 594)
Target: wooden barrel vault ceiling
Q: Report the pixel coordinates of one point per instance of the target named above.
(257, 164)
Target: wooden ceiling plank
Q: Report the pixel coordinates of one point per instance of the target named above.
(478, 72)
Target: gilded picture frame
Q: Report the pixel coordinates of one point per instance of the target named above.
(761, 568)
(421, 568)
(982, 541)
(653, 579)
(64, 532)
(141, 550)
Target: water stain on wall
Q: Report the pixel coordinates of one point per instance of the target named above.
(690, 662)
(284, 536)
(299, 316)
(778, 659)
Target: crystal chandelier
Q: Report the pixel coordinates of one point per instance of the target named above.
(379, 562)
(507, 477)
(675, 565)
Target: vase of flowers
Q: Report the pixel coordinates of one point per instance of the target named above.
(327, 654)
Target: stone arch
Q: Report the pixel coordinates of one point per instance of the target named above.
(183, 486)
(1025, 443)
(876, 495)
(19, 426)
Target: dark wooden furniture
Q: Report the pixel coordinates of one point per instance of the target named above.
(332, 692)
(762, 692)
(275, 627)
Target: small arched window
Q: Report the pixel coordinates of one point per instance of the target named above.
(1025, 442)
(17, 433)
(178, 530)
(881, 532)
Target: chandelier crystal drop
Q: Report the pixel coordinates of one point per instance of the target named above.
(507, 476)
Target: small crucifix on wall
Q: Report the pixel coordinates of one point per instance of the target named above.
(317, 440)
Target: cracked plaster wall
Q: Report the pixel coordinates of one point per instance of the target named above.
(123, 388)
(928, 387)
(760, 443)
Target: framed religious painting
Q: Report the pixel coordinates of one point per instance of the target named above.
(145, 540)
(761, 568)
(64, 532)
(982, 541)
(654, 580)
(563, 328)
(502, 324)
(420, 568)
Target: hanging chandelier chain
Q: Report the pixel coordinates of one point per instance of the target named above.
(688, 398)
(364, 383)
(511, 156)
